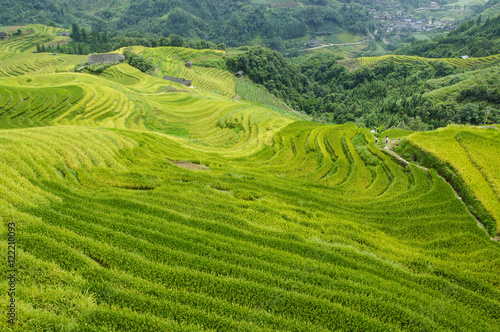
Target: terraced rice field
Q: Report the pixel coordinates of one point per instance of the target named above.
(247, 90)
(27, 42)
(171, 61)
(43, 63)
(448, 89)
(473, 153)
(458, 62)
(264, 223)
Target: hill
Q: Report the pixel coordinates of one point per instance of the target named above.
(467, 63)
(232, 22)
(473, 38)
(137, 204)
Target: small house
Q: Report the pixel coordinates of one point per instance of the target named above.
(314, 42)
(189, 64)
(465, 57)
(64, 33)
(178, 80)
(105, 58)
(239, 74)
(4, 35)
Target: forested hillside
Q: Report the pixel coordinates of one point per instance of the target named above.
(406, 92)
(475, 38)
(232, 22)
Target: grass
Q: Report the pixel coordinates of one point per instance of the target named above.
(294, 225)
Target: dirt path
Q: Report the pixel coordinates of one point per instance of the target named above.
(389, 149)
(328, 45)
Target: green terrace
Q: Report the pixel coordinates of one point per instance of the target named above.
(140, 204)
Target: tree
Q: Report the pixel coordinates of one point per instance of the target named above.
(176, 40)
(83, 35)
(139, 62)
(75, 32)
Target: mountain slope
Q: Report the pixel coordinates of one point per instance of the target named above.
(222, 21)
(472, 38)
(136, 207)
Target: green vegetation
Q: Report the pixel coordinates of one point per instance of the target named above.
(247, 90)
(473, 38)
(171, 61)
(233, 22)
(458, 62)
(142, 205)
(397, 91)
(396, 133)
(470, 154)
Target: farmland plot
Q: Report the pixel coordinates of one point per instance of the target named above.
(286, 225)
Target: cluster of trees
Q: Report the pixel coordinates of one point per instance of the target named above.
(138, 61)
(390, 93)
(83, 42)
(275, 73)
(472, 38)
(86, 42)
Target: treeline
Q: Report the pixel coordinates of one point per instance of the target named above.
(390, 93)
(472, 38)
(86, 42)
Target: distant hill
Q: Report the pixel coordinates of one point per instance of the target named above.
(228, 21)
(477, 38)
(490, 8)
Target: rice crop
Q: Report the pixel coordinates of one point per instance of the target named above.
(409, 59)
(171, 61)
(139, 207)
(472, 152)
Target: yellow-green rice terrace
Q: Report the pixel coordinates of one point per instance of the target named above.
(138, 204)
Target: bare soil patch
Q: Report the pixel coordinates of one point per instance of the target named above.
(14, 27)
(60, 42)
(189, 165)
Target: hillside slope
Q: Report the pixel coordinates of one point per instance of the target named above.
(138, 207)
(473, 154)
(234, 22)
